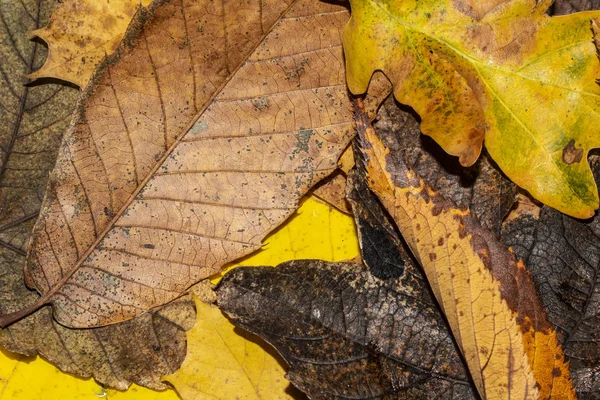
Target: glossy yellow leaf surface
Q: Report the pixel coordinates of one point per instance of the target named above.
(498, 70)
(315, 231)
(79, 35)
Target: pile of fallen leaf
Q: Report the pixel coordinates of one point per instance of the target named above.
(200, 127)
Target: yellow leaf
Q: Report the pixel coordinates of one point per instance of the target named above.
(315, 231)
(24, 378)
(225, 363)
(79, 35)
(499, 70)
(489, 300)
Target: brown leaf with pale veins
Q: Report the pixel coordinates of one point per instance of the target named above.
(138, 208)
(33, 120)
(347, 334)
(487, 295)
(562, 255)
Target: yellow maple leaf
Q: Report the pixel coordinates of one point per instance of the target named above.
(79, 35)
(499, 70)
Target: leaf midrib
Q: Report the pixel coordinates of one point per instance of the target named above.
(7, 319)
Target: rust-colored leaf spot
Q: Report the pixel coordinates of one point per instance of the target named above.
(571, 154)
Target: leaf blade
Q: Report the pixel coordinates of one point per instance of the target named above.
(468, 73)
(486, 294)
(308, 118)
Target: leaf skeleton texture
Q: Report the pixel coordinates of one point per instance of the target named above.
(138, 208)
(502, 71)
(345, 333)
(33, 120)
(562, 255)
(487, 295)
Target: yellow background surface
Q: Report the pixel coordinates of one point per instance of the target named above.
(315, 231)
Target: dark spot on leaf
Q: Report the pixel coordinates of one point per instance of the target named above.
(571, 154)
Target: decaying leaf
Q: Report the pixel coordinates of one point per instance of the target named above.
(561, 7)
(345, 333)
(138, 209)
(499, 70)
(480, 187)
(333, 191)
(79, 35)
(316, 231)
(227, 363)
(562, 256)
(33, 119)
(487, 295)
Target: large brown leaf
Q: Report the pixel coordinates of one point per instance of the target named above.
(345, 333)
(563, 256)
(33, 120)
(138, 208)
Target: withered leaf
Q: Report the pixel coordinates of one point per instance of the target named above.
(139, 207)
(563, 255)
(345, 333)
(79, 35)
(33, 120)
(332, 190)
(381, 247)
(486, 294)
(481, 187)
(562, 7)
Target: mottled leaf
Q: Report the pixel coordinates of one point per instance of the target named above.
(480, 187)
(80, 33)
(345, 333)
(563, 257)
(486, 294)
(502, 70)
(33, 120)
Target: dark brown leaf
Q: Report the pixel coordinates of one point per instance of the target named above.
(481, 187)
(562, 7)
(346, 333)
(563, 257)
(33, 120)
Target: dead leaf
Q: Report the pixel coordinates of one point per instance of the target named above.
(381, 246)
(33, 119)
(227, 363)
(562, 256)
(480, 187)
(502, 70)
(562, 7)
(345, 333)
(333, 191)
(80, 33)
(487, 295)
(125, 202)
